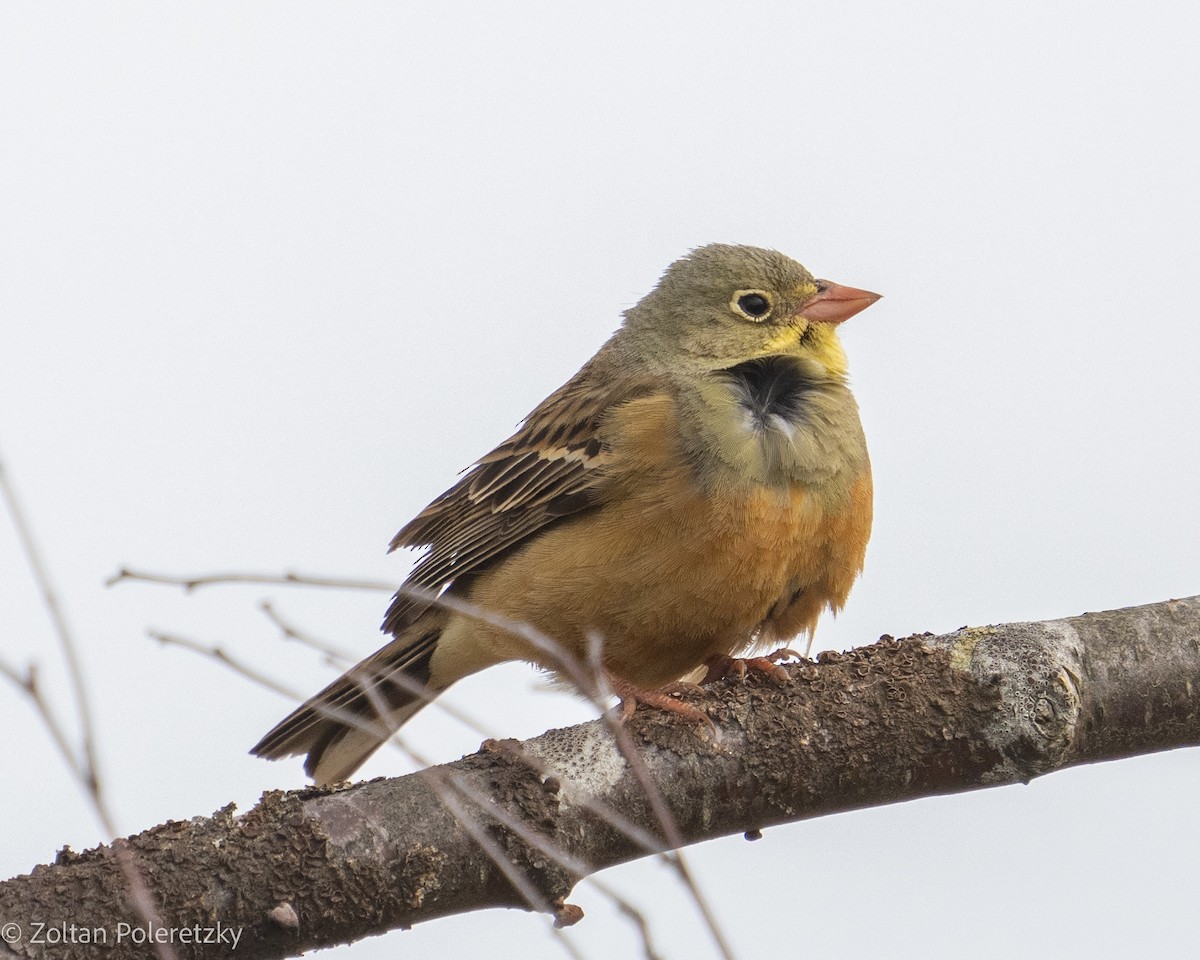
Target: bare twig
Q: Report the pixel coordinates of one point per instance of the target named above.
(283, 580)
(29, 684)
(520, 882)
(634, 916)
(221, 655)
(564, 859)
(334, 654)
(82, 762)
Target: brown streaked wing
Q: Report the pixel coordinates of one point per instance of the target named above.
(554, 466)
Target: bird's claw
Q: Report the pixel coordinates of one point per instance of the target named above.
(631, 696)
(721, 666)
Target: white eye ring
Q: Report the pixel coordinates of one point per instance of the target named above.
(754, 305)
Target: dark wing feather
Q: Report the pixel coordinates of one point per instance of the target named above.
(553, 467)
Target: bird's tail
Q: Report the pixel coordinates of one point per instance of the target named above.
(352, 717)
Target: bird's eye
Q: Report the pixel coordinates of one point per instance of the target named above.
(753, 304)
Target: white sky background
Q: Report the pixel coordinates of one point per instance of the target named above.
(273, 272)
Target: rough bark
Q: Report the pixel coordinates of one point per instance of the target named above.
(887, 722)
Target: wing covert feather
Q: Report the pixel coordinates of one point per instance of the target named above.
(554, 466)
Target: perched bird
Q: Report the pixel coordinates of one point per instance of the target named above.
(701, 486)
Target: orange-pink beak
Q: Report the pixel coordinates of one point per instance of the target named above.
(834, 303)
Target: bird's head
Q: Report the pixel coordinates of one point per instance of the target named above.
(724, 304)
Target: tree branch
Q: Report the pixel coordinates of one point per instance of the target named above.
(884, 723)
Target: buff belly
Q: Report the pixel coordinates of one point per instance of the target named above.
(667, 577)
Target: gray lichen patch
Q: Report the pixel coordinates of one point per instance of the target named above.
(1037, 668)
(585, 759)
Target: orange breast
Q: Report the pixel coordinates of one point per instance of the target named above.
(667, 573)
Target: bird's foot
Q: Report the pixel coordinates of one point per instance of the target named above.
(632, 695)
(721, 666)
(681, 687)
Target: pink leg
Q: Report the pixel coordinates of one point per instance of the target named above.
(632, 695)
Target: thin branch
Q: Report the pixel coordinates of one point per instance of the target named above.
(29, 685)
(337, 656)
(634, 916)
(223, 656)
(85, 763)
(528, 890)
(283, 580)
(565, 860)
(82, 763)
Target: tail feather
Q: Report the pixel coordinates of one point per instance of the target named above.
(352, 717)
